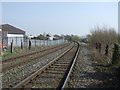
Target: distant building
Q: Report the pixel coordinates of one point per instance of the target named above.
(85, 38)
(10, 33)
(51, 37)
(31, 37)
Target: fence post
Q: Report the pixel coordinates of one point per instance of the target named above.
(106, 50)
(29, 44)
(21, 44)
(11, 46)
(35, 42)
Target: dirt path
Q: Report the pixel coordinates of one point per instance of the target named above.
(91, 74)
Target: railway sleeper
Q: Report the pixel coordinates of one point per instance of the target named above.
(54, 72)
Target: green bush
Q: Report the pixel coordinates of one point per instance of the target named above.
(116, 55)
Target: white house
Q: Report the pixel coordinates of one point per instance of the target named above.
(31, 36)
(10, 33)
(51, 37)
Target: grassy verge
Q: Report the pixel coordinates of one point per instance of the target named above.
(18, 51)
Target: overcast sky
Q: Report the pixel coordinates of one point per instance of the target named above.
(60, 17)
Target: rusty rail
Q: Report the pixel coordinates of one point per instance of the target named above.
(31, 77)
(25, 62)
(71, 68)
(22, 56)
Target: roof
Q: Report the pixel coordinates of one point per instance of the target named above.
(11, 29)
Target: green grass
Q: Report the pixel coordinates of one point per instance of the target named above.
(8, 53)
(17, 51)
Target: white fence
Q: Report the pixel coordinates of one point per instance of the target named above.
(25, 42)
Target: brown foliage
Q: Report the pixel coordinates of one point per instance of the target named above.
(103, 35)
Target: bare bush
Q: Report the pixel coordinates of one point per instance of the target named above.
(103, 37)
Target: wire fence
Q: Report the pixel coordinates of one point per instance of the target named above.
(23, 42)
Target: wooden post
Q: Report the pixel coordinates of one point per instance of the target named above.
(21, 44)
(29, 44)
(11, 46)
(106, 49)
(100, 47)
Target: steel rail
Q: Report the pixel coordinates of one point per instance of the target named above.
(24, 62)
(31, 77)
(22, 56)
(71, 68)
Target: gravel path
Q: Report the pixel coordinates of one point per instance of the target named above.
(87, 72)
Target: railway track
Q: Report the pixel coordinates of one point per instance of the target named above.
(29, 54)
(55, 74)
(30, 57)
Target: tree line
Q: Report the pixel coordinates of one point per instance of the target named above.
(58, 37)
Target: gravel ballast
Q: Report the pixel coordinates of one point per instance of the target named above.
(13, 76)
(88, 74)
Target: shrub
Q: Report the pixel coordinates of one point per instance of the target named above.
(116, 55)
(103, 37)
